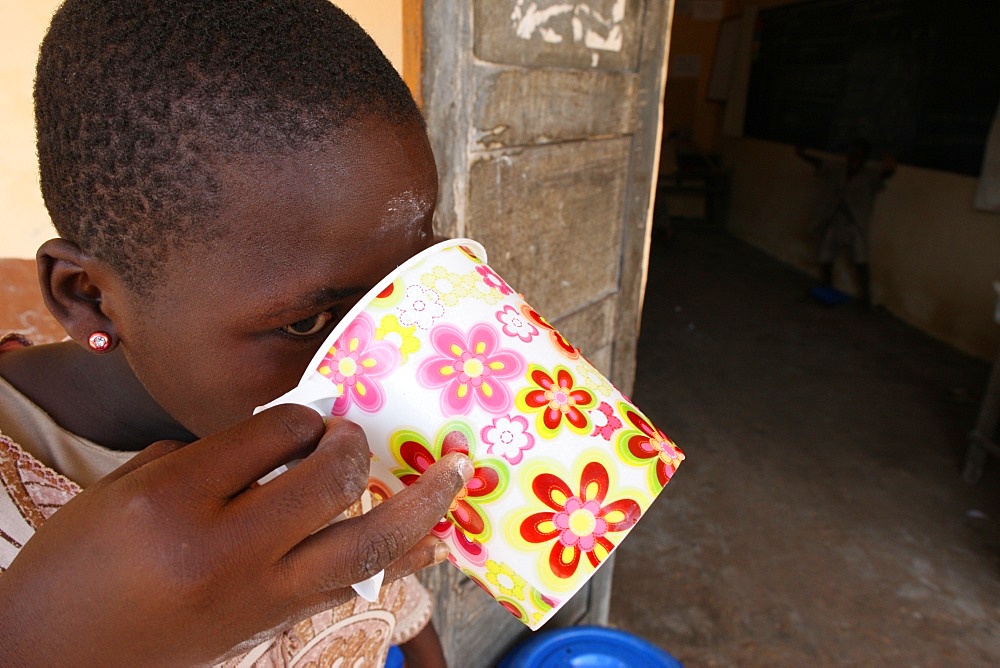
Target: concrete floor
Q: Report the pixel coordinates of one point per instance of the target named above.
(820, 517)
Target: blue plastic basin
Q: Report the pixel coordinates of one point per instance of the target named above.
(587, 647)
(394, 658)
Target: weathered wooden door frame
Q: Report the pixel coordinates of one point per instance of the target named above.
(444, 41)
(422, 62)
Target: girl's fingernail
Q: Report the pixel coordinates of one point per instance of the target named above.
(467, 469)
(441, 552)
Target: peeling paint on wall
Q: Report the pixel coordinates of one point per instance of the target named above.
(595, 25)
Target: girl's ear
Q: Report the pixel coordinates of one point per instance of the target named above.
(72, 284)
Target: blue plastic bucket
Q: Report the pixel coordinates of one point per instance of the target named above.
(587, 647)
(395, 658)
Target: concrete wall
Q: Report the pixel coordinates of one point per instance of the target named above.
(25, 223)
(933, 256)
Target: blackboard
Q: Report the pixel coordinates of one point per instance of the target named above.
(916, 78)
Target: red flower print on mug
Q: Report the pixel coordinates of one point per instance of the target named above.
(560, 341)
(578, 522)
(488, 481)
(558, 401)
(643, 444)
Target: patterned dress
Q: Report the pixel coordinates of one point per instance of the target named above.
(354, 634)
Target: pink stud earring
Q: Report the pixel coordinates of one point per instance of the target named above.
(99, 342)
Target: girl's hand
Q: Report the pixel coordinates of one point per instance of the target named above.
(177, 558)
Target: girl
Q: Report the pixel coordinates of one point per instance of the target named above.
(227, 179)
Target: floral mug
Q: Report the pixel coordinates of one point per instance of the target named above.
(443, 355)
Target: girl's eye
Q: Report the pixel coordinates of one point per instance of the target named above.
(309, 326)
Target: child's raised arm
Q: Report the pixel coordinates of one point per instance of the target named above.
(177, 558)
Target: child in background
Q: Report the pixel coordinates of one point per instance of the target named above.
(227, 179)
(850, 187)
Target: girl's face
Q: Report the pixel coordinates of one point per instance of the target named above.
(233, 324)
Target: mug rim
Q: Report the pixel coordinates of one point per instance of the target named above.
(331, 338)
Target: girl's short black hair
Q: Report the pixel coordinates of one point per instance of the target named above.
(138, 103)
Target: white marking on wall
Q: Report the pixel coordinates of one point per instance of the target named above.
(530, 20)
(595, 25)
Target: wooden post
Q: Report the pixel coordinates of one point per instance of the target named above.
(544, 118)
(413, 46)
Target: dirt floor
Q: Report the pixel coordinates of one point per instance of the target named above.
(820, 517)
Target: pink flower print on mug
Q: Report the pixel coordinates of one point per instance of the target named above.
(508, 437)
(471, 370)
(492, 279)
(516, 325)
(605, 421)
(356, 363)
(513, 592)
(420, 307)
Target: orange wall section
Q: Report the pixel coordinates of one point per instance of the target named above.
(686, 108)
(25, 223)
(687, 105)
